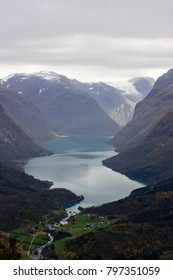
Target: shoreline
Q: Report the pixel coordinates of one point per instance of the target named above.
(73, 203)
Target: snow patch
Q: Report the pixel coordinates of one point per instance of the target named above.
(24, 78)
(8, 77)
(41, 90)
(48, 75)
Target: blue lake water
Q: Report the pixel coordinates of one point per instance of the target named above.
(77, 165)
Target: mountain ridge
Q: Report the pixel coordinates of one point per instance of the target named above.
(114, 101)
(66, 107)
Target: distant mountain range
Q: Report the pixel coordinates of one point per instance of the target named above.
(67, 108)
(72, 107)
(146, 143)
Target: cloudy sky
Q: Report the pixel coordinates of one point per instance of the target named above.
(90, 40)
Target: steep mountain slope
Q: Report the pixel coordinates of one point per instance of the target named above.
(152, 160)
(25, 114)
(67, 108)
(113, 101)
(147, 113)
(15, 145)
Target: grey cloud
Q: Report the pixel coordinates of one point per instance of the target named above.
(112, 36)
(111, 17)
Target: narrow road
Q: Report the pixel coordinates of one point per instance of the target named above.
(28, 253)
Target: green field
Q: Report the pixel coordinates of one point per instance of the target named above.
(40, 239)
(24, 234)
(78, 226)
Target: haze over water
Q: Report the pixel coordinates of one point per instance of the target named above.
(77, 165)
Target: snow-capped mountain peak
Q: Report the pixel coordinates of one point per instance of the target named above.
(48, 75)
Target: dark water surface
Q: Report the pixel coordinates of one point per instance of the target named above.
(77, 166)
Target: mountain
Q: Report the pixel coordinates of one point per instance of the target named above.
(118, 102)
(151, 161)
(146, 158)
(147, 113)
(113, 101)
(143, 85)
(15, 145)
(51, 88)
(25, 114)
(67, 107)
